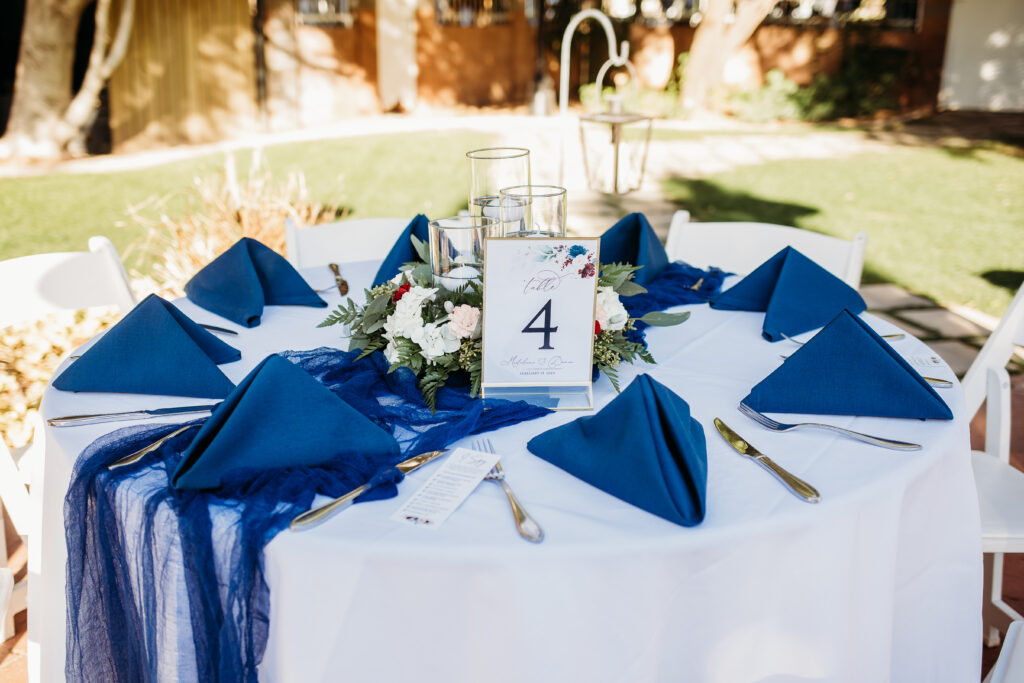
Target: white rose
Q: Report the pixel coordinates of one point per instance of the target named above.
(391, 352)
(408, 315)
(601, 316)
(417, 296)
(465, 321)
(579, 261)
(435, 340)
(608, 301)
(403, 322)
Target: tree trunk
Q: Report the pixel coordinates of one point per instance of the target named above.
(44, 116)
(707, 56)
(719, 36)
(42, 82)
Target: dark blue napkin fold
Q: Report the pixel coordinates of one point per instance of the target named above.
(403, 251)
(632, 240)
(154, 349)
(279, 416)
(796, 294)
(245, 278)
(847, 369)
(643, 447)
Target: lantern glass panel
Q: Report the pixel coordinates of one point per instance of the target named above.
(615, 150)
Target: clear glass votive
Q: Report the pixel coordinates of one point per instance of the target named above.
(457, 249)
(491, 169)
(533, 211)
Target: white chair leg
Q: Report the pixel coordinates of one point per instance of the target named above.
(6, 588)
(7, 625)
(997, 615)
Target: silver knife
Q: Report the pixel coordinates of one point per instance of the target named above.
(72, 420)
(798, 486)
(214, 328)
(317, 515)
(338, 279)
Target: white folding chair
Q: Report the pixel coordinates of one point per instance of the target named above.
(38, 285)
(67, 281)
(1000, 485)
(352, 240)
(740, 247)
(1009, 668)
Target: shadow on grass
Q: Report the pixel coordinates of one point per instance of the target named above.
(1008, 279)
(708, 201)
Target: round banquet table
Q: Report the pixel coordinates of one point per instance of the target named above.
(881, 581)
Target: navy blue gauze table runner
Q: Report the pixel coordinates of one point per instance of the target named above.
(112, 594)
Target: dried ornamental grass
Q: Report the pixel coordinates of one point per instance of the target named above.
(221, 211)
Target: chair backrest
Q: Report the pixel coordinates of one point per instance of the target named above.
(740, 247)
(40, 284)
(353, 240)
(995, 353)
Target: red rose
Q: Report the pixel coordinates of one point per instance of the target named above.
(597, 328)
(401, 292)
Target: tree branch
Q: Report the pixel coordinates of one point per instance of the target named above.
(124, 32)
(749, 15)
(101, 64)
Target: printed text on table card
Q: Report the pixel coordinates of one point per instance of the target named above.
(451, 484)
(539, 311)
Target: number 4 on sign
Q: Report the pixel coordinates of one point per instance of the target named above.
(546, 330)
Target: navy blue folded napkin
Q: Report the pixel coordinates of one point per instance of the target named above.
(155, 349)
(847, 369)
(248, 276)
(403, 251)
(280, 416)
(643, 448)
(632, 240)
(796, 294)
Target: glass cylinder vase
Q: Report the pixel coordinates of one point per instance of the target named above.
(533, 211)
(457, 249)
(491, 169)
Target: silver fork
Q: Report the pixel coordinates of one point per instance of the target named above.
(771, 424)
(525, 524)
(892, 337)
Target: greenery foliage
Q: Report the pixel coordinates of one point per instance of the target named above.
(373, 326)
(867, 82)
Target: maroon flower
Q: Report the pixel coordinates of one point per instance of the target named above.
(587, 271)
(597, 328)
(401, 292)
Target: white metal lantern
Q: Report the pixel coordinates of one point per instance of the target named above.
(615, 141)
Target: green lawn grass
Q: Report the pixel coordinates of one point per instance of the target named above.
(946, 223)
(394, 175)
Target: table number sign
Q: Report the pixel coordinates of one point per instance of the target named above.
(538, 320)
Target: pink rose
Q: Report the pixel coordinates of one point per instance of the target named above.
(463, 321)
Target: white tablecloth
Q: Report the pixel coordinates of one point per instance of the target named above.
(880, 582)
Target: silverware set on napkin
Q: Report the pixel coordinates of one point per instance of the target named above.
(933, 381)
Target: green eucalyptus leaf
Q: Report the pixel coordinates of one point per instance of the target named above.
(662, 319)
(421, 273)
(421, 248)
(630, 288)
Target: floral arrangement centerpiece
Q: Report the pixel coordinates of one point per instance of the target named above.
(435, 332)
